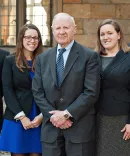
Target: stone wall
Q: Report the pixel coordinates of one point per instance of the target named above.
(89, 13)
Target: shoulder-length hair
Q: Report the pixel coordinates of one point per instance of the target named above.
(20, 60)
(121, 42)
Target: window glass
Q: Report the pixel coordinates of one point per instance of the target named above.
(8, 22)
(38, 13)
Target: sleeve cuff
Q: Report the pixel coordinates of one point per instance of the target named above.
(68, 113)
(19, 115)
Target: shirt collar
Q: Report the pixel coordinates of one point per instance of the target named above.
(69, 46)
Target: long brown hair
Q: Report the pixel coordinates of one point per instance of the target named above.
(122, 44)
(20, 60)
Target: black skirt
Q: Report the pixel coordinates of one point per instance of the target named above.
(109, 138)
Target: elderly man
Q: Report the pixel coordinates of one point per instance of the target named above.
(66, 87)
(3, 54)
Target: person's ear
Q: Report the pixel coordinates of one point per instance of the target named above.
(119, 35)
(75, 29)
(52, 29)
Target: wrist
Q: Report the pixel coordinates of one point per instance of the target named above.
(21, 118)
(66, 114)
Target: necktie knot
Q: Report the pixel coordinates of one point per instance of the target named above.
(61, 51)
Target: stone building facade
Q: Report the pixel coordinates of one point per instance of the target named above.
(88, 14)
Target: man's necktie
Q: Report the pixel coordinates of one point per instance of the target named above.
(60, 66)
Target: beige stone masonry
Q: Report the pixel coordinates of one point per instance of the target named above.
(72, 1)
(125, 26)
(123, 11)
(90, 26)
(77, 10)
(86, 40)
(96, 1)
(127, 38)
(120, 1)
(79, 24)
(103, 11)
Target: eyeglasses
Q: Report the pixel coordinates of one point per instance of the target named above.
(29, 38)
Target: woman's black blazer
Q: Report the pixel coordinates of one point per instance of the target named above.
(114, 98)
(17, 89)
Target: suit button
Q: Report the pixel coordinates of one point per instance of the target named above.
(61, 99)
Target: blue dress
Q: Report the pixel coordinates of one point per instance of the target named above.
(15, 139)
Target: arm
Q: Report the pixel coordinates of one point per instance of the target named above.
(9, 93)
(8, 88)
(38, 91)
(88, 97)
(3, 55)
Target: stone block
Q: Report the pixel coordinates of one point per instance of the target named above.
(71, 1)
(121, 1)
(125, 26)
(77, 10)
(79, 23)
(103, 11)
(90, 26)
(79, 32)
(123, 11)
(86, 40)
(127, 39)
(96, 1)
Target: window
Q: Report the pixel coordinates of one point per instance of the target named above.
(8, 22)
(37, 12)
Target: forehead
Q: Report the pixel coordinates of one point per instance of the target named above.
(31, 32)
(107, 27)
(63, 21)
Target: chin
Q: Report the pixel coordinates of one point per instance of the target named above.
(31, 50)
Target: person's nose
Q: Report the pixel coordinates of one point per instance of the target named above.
(32, 39)
(105, 36)
(62, 31)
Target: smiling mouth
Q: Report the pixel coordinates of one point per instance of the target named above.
(106, 41)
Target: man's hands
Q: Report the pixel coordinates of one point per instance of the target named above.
(58, 119)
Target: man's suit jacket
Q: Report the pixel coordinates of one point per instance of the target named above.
(3, 54)
(114, 98)
(17, 89)
(78, 92)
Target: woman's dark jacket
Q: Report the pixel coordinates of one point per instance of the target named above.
(114, 98)
(17, 89)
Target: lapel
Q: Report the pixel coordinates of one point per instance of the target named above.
(27, 74)
(53, 64)
(118, 59)
(73, 55)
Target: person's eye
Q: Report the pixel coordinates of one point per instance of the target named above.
(101, 34)
(110, 33)
(66, 27)
(35, 38)
(28, 37)
(57, 28)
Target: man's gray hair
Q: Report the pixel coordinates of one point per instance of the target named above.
(63, 14)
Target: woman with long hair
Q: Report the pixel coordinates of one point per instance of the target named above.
(113, 106)
(22, 119)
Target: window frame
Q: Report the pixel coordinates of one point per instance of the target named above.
(21, 20)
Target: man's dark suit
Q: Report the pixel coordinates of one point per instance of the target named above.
(78, 93)
(3, 54)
